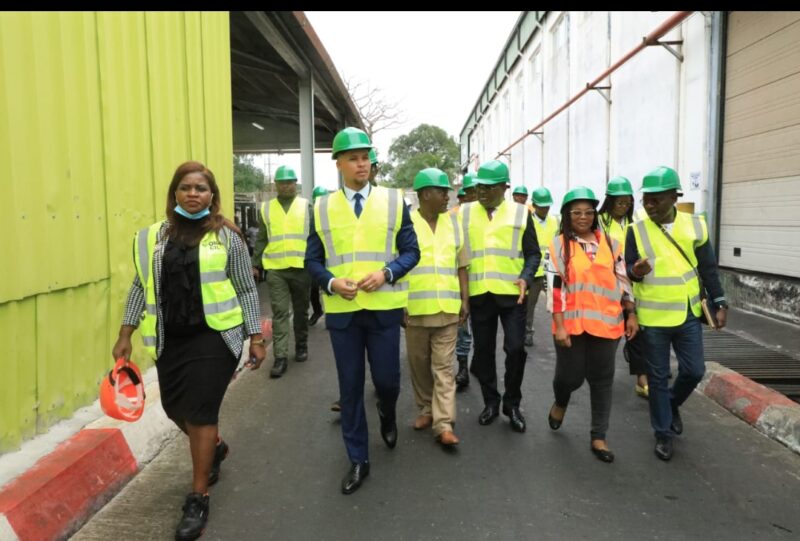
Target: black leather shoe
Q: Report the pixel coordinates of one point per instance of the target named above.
(388, 428)
(516, 419)
(314, 318)
(488, 415)
(301, 354)
(462, 377)
(677, 422)
(603, 455)
(195, 516)
(358, 472)
(220, 454)
(663, 448)
(278, 368)
(554, 423)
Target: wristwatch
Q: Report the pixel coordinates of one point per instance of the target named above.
(722, 306)
(387, 274)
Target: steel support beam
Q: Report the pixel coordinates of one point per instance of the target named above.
(305, 92)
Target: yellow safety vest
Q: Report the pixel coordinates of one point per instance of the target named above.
(433, 283)
(662, 296)
(287, 233)
(355, 247)
(220, 303)
(544, 234)
(614, 229)
(494, 247)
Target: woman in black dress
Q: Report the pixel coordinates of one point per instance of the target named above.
(195, 303)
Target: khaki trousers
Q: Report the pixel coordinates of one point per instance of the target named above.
(430, 360)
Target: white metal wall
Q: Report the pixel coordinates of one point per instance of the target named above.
(759, 222)
(658, 115)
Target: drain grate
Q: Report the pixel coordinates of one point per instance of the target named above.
(773, 369)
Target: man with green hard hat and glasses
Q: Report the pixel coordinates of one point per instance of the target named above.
(280, 250)
(504, 254)
(673, 268)
(546, 228)
(438, 301)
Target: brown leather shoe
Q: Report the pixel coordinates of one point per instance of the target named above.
(447, 438)
(423, 421)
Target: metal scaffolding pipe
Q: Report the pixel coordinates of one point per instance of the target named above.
(650, 39)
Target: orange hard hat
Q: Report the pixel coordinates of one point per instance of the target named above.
(122, 392)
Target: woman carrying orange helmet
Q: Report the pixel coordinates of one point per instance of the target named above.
(194, 302)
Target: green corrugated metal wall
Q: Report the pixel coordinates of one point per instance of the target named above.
(96, 112)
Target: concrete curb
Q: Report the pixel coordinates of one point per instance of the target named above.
(62, 490)
(768, 411)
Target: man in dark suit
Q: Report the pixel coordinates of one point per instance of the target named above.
(504, 255)
(362, 244)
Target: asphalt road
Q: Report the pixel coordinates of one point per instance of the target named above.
(282, 478)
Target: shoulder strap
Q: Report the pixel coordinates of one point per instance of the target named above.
(675, 244)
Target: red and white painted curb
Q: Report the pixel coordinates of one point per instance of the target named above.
(55, 497)
(768, 411)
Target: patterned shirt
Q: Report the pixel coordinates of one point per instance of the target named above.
(240, 275)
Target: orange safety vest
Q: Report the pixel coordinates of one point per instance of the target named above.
(593, 294)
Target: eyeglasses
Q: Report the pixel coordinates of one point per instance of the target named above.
(579, 213)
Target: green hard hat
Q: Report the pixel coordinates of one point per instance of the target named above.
(541, 197)
(579, 192)
(350, 139)
(462, 193)
(468, 181)
(619, 186)
(521, 189)
(373, 156)
(431, 177)
(319, 191)
(284, 173)
(492, 172)
(661, 179)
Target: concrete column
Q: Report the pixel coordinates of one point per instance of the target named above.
(306, 97)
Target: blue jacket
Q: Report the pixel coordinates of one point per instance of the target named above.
(407, 248)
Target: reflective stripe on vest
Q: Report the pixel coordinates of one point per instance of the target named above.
(220, 303)
(433, 283)
(544, 234)
(592, 291)
(494, 247)
(663, 294)
(287, 233)
(355, 247)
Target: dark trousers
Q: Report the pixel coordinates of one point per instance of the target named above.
(313, 295)
(484, 313)
(592, 359)
(382, 346)
(687, 341)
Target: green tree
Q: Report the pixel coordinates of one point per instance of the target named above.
(424, 146)
(246, 176)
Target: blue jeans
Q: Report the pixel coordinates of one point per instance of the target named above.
(687, 341)
(463, 340)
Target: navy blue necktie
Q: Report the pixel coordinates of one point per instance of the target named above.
(358, 197)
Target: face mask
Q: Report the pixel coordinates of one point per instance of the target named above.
(196, 216)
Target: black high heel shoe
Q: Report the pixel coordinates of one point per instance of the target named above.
(554, 423)
(604, 455)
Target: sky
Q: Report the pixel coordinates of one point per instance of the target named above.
(433, 64)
